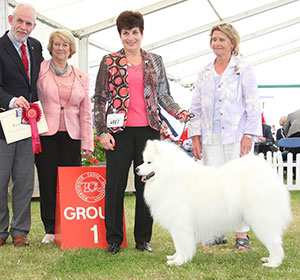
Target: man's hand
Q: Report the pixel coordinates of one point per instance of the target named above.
(21, 102)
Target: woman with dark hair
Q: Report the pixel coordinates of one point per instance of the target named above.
(130, 86)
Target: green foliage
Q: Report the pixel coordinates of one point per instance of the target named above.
(49, 262)
(98, 154)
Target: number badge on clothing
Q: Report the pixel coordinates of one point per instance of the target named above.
(115, 120)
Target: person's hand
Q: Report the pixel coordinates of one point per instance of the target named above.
(21, 102)
(262, 139)
(183, 115)
(196, 147)
(246, 146)
(108, 142)
(86, 153)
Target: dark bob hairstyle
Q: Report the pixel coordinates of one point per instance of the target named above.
(129, 19)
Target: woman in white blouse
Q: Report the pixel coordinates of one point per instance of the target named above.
(227, 110)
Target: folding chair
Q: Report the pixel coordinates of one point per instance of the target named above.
(293, 142)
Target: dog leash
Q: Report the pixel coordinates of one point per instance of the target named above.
(163, 118)
(191, 115)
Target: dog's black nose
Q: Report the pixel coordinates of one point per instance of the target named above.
(137, 170)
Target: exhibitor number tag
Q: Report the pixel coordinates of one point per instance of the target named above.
(115, 120)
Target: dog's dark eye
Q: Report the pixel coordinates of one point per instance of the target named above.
(149, 162)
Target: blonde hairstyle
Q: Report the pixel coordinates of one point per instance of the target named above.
(282, 120)
(64, 35)
(231, 33)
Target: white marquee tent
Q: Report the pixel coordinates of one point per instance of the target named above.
(178, 30)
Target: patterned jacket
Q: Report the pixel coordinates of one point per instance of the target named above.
(112, 90)
(239, 103)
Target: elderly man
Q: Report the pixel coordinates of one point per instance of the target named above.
(20, 59)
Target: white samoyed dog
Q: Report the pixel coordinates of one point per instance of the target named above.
(195, 202)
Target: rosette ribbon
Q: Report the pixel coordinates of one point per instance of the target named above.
(33, 116)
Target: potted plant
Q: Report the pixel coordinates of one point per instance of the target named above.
(98, 155)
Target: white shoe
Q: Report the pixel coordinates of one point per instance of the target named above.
(48, 238)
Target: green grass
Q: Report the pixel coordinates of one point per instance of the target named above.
(40, 261)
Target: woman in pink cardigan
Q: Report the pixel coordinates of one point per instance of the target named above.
(64, 93)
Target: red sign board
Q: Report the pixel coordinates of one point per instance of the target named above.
(79, 221)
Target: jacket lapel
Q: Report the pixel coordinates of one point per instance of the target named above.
(13, 54)
(33, 62)
(229, 70)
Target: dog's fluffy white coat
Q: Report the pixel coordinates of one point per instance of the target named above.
(195, 202)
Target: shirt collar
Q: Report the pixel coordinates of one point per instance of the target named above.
(15, 42)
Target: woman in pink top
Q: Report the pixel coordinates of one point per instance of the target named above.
(64, 93)
(130, 86)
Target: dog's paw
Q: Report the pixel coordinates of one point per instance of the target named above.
(172, 257)
(177, 261)
(271, 264)
(265, 259)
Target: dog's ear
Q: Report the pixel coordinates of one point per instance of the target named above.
(153, 145)
(157, 147)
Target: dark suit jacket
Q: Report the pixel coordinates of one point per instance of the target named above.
(267, 132)
(13, 77)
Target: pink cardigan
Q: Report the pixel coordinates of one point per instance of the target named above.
(78, 110)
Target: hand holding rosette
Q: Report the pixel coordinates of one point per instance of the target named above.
(32, 116)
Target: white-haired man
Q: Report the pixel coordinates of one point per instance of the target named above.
(20, 59)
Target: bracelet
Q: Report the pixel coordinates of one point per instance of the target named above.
(102, 135)
(249, 136)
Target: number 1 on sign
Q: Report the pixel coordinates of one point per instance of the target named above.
(95, 230)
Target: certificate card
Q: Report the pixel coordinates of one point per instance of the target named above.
(15, 128)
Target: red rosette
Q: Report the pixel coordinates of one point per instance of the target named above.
(32, 116)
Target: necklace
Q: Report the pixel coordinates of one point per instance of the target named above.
(66, 85)
(136, 68)
(58, 72)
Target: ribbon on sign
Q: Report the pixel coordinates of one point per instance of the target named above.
(33, 116)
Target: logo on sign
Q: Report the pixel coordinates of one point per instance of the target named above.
(90, 187)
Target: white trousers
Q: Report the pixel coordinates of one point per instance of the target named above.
(217, 154)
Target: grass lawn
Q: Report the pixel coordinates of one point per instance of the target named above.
(39, 261)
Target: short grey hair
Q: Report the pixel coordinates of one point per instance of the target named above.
(26, 5)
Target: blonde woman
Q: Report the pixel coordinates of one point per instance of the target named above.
(64, 93)
(226, 108)
(280, 131)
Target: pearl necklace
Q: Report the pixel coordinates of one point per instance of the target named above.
(58, 72)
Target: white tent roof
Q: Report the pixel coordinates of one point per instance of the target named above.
(179, 31)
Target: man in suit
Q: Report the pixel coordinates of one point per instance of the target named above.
(20, 59)
(266, 142)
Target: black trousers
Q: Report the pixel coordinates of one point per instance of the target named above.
(57, 150)
(130, 144)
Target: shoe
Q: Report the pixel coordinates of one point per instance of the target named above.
(20, 241)
(48, 238)
(243, 243)
(112, 248)
(217, 240)
(144, 246)
(2, 241)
